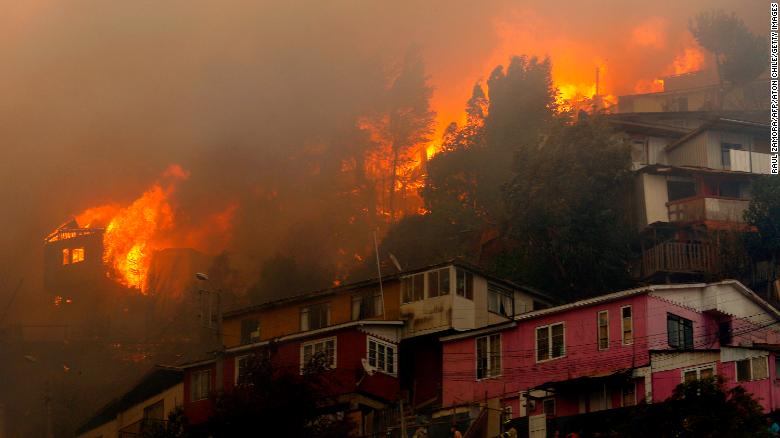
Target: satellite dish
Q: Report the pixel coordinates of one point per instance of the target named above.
(367, 368)
(395, 262)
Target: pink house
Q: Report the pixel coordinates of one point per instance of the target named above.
(615, 350)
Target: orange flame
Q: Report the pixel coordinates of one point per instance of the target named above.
(690, 60)
(132, 233)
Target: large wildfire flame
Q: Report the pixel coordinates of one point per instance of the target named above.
(135, 231)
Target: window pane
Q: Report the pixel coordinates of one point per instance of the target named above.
(759, 368)
(469, 285)
(603, 330)
(481, 357)
(408, 288)
(689, 376)
(356, 307)
(372, 353)
(460, 277)
(444, 281)
(558, 347)
(433, 284)
(304, 319)
(495, 355)
(390, 360)
(777, 367)
(542, 343)
(705, 373)
(381, 357)
(419, 286)
(743, 370)
(688, 333)
(672, 331)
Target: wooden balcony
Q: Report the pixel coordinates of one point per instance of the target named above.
(679, 257)
(707, 209)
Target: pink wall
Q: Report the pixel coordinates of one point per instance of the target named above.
(520, 370)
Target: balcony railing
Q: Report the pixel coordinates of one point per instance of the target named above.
(711, 209)
(745, 161)
(679, 257)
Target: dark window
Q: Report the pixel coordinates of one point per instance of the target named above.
(743, 370)
(724, 152)
(315, 316)
(250, 331)
(724, 333)
(366, 305)
(548, 406)
(777, 367)
(465, 284)
(731, 189)
(680, 189)
(603, 329)
(200, 385)
(679, 331)
(500, 300)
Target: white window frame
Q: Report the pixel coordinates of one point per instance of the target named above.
(598, 329)
(622, 329)
(489, 357)
(387, 345)
(698, 369)
(494, 289)
(207, 372)
(752, 373)
(549, 341)
(335, 362)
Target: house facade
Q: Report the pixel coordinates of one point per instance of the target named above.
(143, 408)
(615, 350)
(380, 339)
(693, 173)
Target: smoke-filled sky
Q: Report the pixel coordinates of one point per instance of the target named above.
(99, 98)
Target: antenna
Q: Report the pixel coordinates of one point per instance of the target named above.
(379, 274)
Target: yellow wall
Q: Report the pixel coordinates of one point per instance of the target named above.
(173, 397)
(285, 320)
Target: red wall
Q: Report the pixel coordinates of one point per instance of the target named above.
(351, 347)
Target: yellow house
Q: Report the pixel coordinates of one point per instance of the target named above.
(146, 405)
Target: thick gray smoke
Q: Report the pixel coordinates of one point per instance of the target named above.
(98, 98)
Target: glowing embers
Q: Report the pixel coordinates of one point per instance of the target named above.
(59, 300)
(72, 255)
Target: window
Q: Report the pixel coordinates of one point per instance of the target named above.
(65, 256)
(488, 356)
(548, 407)
(752, 369)
(322, 351)
(200, 385)
(413, 288)
(438, 282)
(242, 366)
(155, 411)
(550, 342)
(77, 255)
(698, 373)
(725, 154)
(777, 367)
(250, 331)
(629, 394)
(382, 356)
(679, 331)
(724, 333)
(465, 284)
(366, 305)
(628, 325)
(500, 300)
(603, 330)
(315, 316)
(680, 189)
(730, 189)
